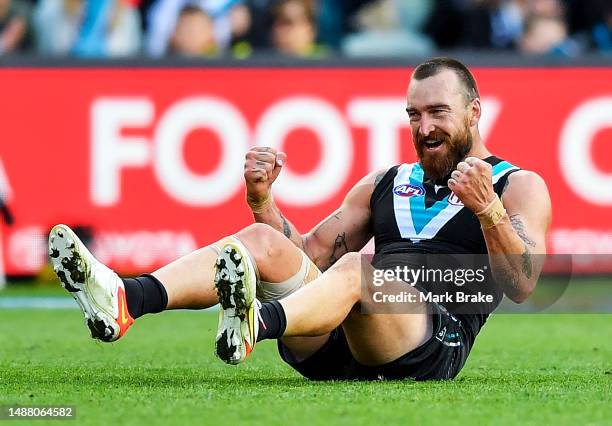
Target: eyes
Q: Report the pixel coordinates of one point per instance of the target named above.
(414, 115)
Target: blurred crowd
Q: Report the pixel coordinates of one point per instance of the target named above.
(304, 28)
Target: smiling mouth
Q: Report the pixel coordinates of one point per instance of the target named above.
(433, 144)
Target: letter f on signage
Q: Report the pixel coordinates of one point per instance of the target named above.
(110, 150)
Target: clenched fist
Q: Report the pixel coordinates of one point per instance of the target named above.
(472, 182)
(261, 168)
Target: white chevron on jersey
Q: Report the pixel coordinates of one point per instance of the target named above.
(414, 221)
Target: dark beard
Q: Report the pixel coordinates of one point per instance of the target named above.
(438, 166)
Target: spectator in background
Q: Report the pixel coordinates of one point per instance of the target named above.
(391, 28)
(56, 24)
(294, 30)
(231, 21)
(93, 28)
(14, 26)
(194, 34)
(336, 20)
(547, 35)
(109, 28)
(601, 34)
(260, 12)
(495, 24)
(446, 23)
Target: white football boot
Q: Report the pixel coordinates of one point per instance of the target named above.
(98, 290)
(236, 280)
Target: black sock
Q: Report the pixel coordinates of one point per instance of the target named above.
(273, 322)
(145, 295)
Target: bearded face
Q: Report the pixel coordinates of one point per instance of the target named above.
(440, 152)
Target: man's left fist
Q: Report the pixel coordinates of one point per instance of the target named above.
(472, 182)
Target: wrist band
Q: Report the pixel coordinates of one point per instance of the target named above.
(492, 214)
(259, 207)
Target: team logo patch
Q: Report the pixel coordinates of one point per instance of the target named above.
(409, 190)
(454, 200)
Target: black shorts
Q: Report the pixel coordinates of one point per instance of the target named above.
(439, 358)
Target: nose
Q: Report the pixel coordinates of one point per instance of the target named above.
(426, 126)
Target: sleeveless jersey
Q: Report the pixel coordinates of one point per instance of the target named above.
(412, 215)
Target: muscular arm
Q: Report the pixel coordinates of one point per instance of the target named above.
(274, 217)
(516, 245)
(346, 229)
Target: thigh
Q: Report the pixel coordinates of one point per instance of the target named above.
(380, 331)
(377, 339)
(301, 348)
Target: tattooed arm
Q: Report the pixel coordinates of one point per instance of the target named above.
(517, 244)
(345, 230)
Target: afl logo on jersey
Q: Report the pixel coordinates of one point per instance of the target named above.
(409, 190)
(454, 200)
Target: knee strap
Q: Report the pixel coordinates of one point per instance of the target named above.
(267, 291)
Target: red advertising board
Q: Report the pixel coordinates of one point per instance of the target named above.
(152, 158)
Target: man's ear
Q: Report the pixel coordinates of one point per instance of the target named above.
(474, 112)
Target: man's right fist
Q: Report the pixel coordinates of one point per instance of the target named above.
(261, 168)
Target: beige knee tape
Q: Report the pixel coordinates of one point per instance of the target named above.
(275, 291)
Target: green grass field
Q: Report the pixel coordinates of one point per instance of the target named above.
(524, 369)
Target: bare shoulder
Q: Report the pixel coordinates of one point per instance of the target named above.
(361, 192)
(527, 196)
(369, 181)
(374, 178)
(525, 184)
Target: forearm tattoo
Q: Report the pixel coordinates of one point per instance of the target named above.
(527, 264)
(519, 227)
(286, 226)
(340, 248)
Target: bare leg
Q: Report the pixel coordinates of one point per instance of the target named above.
(189, 280)
(333, 299)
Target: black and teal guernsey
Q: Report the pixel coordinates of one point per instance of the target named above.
(413, 215)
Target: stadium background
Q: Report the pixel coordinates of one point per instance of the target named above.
(143, 150)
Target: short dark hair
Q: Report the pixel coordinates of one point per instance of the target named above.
(193, 9)
(436, 65)
(309, 7)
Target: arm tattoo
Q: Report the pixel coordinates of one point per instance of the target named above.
(505, 185)
(518, 226)
(340, 248)
(379, 177)
(286, 226)
(527, 264)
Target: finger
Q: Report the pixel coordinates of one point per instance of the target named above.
(267, 157)
(452, 182)
(463, 167)
(258, 175)
(264, 165)
(456, 175)
(472, 161)
(264, 149)
(280, 161)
